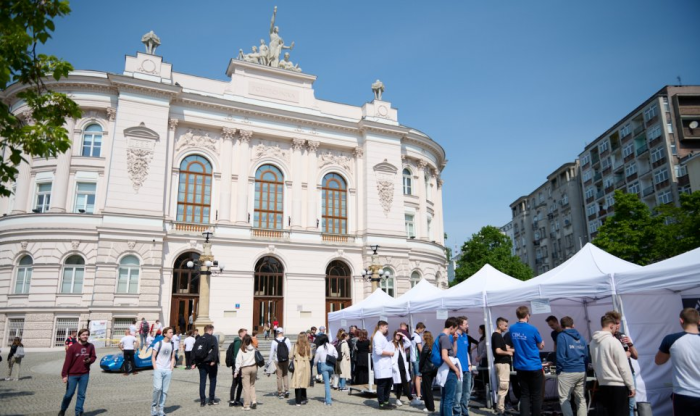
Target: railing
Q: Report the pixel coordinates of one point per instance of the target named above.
(192, 228)
(265, 233)
(638, 130)
(648, 190)
(618, 164)
(643, 148)
(336, 238)
(598, 176)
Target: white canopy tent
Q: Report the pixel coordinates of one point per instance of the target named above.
(354, 315)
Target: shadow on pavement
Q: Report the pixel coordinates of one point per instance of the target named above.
(95, 412)
(7, 394)
(170, 409)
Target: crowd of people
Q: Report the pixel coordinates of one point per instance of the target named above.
(407, 364)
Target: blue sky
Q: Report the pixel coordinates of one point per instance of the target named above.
(511, 89)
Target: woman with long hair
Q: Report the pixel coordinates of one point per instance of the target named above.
(325, 369)
(302, 368)
(400, 369)
(13, 360)
(362, 352)
(428, 377)
(246, 366)
(344, 366)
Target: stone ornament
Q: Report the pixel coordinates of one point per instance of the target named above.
(287, 64)
(24, 245)
(422, 164)
(111, 113)
(28, 117)
(297, 144)
(359, 152)
(151, 41)
(269, 55)
(313, 145)
(385, 175)
(228, 133)
(336, 158)
(138, 161)
(378, 89)
(172, 124)
(245, 135)
(75, 244)
(131, 244)
(190, 139)
(270, 149)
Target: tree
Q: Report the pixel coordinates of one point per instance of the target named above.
(681, 230)
(632, 233)
(490, 246)
(24, 25)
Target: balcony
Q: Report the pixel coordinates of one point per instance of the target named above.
(629, 157)
(191, 228)
(337, 238)
(645, 173)
(655, 141)
(632, 176)
(599, 194)
(590, 199)
(649, 190)
(591, 217)
(689, 110)
(638, 130)
(597, 177)
(659, 162)
(263, 233)
(641, 149)
(620, 183)
(683, 180)
(652, 120)
(609, 189)
(602, 212)
(618, 165)
(662, 185)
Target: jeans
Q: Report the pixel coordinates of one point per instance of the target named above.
(161, 384)
(14, 363)
(531, 383)
(326, 371)
(207, 370)
(568, 383)
(463, 393)
(81, 382)
(633, 401)
(447, 394)
(129, 364)
(341, 383)
(142, 337)
(384, 389)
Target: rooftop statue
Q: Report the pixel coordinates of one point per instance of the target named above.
(276, 42)
(151, 41)
(287, 64)
(378, 89)
(253, 57)
(269, 55)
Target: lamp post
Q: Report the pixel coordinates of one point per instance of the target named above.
(205, 264)
(372, 272)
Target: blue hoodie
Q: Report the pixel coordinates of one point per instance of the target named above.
(572, 352)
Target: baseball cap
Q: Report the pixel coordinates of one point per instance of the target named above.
(280, 329)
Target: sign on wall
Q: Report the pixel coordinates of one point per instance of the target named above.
(98, 333)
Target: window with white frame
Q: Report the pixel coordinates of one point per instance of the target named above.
(590, 192)
(73, 275)
(660, 175)
(128, 280)
(651, 112)
(64, 326)
(609, 201)
(92, 141)
(24, 275)
(591, 209)
(564, 199)
(657, 154)
(587, 175)
(43, 197)
(85, 197)
(585, 159)
(654, 132)
(593, 226)
(628, 150)
(608, 181)
(605, 163)
(665, 197)
(14, 329)
(669, 127)
(603, 146)
(410, 225)
(633, 188)
(625, 130)
(407, 182)
(665, 100)
(631, 169)
(680, 170)
(415, 278)
(387, 285)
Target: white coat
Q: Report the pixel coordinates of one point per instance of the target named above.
(395, 371)
(382, 363)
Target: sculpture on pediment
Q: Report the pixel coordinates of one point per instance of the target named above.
(276, 42)
(385, 174)
(378, 89)
(269, 150)
(269, 55)
(190, 139)
(264, 53)
(339, 159)
(151, 41)
(253, 57)
(288, 65)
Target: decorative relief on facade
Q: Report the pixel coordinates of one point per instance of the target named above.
(138, 160)
(313, 146)
(422, 164)
(271, 249)
(341, 159)
(191, 139)
(385, 174)
(131, 244)
(359, 152)
(228, 133)
(75, 244)
(434, 171)
(245, 135)
(23, 244)
(439, 182)
(270, 149)
(148, 67)
(172, 124)
(297, 144)
(28, 117)
(111, 113)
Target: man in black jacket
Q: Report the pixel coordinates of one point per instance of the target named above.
(208, 366)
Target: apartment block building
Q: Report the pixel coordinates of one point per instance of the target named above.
(642, 153)
(548, 224)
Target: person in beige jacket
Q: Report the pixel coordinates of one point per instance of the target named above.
(612, 369)
(301, 357)
(344, 366)
(246, 366)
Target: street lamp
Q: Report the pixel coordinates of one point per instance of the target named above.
(372, 273)
(206, 263)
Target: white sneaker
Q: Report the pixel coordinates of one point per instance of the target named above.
(416, 402)
(426, 410)
(398, 402)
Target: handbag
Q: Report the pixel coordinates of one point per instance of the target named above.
(331, 360)
(20, 352)
(291, 366)
(259, 360)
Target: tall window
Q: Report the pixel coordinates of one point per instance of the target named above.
(338, 280)
(128, 280)
(335, 207)
(415, 278)
(85, 197)
(43, 197)
(194, 193)
(406, 182)
(269, 277)
(410, 225)
(185, 280)
(24, 275)
(73, 273)
(269, 198)
(92, 141)
(14, 328)
(387, 285)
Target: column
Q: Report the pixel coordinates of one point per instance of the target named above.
(297, 145)
(204, 280)
(24, 179)
(422, 217)
(169, 177)
(312, 184)
(107, 146)
(360, 192)
(59, 187)
(437, 219)
(242, 205)
(226, 157)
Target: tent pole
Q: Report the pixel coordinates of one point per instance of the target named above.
(488, 325)
(588, 320)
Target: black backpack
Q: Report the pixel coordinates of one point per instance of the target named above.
(282, 351)
(201, 349)
(229, 355)
(339, 349)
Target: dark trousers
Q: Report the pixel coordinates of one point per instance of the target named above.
(236, 388)
(129, 363)
(404, 388)
(614, 399)
(685, 405)
(384, 389)
(427, 386)
(188, 359)
(531, 383)
(299, 395)
(207, 370)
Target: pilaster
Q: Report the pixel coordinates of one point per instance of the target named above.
(312, 191)
(297, 145)
(242, 205)
(226, 154)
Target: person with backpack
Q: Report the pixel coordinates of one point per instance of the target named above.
(76, 371)
(444, 354)
(205, 356)
(382, 353)
(344, 365)
(231, 355)
(325, 360)
(428, 372)
(464, 387)
(163, 360)
(14, 358)
(301, 377)
(143, 333)
(247, 368)
(279, 354)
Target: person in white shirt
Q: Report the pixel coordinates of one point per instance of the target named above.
(176, 343)
(325, 365)
(149, 340)
(189, 344)
(128, 344)
(382, 353)
(163, 360)
(246, 366)
(282, 362)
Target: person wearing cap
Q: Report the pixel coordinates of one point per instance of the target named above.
(279, 353)
(321, 331)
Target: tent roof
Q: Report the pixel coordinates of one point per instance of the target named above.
(379, 297)
(677, 273)
(400, 306)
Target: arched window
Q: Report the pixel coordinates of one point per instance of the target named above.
(24, 275)
(335, 206)
(268, 300)
(194, 192)
(406, 182)
(128, 280)
(73, 273)
(92, 141)
(269, 198)
(338, 280)
(415, 278)
(387, 285)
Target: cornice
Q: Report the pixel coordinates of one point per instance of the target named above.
(124, 83)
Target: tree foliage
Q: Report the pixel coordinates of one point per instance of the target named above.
(24, 25)
(490, 246)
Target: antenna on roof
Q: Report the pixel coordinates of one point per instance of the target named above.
(680, 83)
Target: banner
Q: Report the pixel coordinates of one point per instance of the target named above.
(539, 306)
(98, 333)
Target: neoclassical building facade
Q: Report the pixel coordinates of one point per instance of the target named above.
(295, 190)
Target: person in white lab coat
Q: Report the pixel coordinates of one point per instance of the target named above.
(399, 364)
(382, 353)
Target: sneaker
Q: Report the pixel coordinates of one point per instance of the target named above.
(304, 402)
(62, 413)
(246, 408)
(213, 402)
(385, 407)
(231, 404)
(202, 403)
(416, 402)
(426, 410)
(254, 406)
(398, 402)
(286, 394)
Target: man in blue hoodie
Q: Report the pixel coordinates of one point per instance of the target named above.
(571, 367)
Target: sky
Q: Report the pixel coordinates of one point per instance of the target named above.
(510, 89)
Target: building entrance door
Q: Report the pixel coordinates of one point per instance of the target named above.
(183, 306)
(338, 295)
(185, 292)
(267, 310)
(268, 301)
